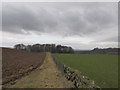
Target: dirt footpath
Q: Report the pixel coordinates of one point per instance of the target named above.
(46, 76)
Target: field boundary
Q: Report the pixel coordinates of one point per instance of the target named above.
(79, 80)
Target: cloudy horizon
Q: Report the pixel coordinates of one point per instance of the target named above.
(82, 25)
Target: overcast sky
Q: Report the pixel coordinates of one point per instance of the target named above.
(80, 25)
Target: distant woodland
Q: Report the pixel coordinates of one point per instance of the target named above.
(64, 49)
(45, 48)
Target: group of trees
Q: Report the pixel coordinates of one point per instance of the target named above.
(45, 48)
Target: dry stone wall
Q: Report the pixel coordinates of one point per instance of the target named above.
(79, 80)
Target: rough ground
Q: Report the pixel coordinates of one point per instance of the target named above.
(16, 63)
(46, 76)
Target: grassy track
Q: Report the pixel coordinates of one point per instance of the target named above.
(46, 76)
(101, 68)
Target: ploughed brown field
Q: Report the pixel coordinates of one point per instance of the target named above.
(16, 63)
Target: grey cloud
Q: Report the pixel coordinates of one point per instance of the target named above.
(111, 39)
(63, 19)
(15, 19)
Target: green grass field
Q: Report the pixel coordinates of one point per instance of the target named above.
(103, 69)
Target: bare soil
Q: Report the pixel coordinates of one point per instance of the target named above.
(16, 63)
(46, 76)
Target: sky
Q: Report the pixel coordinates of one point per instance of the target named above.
(81, 25)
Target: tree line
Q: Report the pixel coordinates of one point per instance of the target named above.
(45, 48)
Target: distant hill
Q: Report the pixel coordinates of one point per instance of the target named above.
(100, 51)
